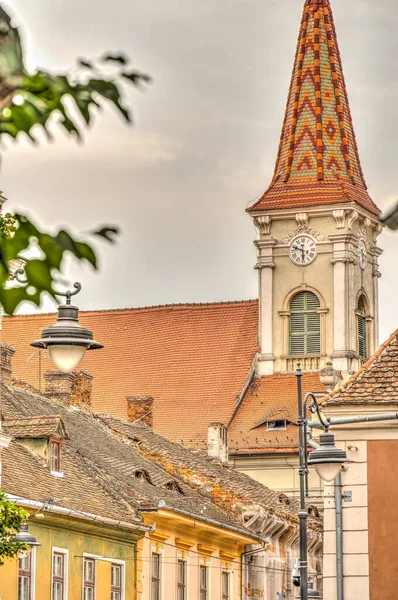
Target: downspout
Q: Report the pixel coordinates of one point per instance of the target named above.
(339, 537)
(245, 555)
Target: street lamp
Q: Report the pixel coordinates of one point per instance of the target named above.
(26, 538)
(327, 460)
(67, 341)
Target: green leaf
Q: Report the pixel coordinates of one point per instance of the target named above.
(38, 273)
(120, 58)
(87, 253)
(108, 233)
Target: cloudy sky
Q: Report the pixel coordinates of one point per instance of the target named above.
(204, 142)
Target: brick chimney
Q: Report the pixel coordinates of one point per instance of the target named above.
(70, 389)
(140, 408)
(217, 442)
(6, 354)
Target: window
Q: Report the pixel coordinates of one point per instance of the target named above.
(182, 580)
(25, 577)
(276, 425)
(156, 577)
(116, 582)
(362, 329)
(173, 486)
(89, 579)
(305, 324)
(55, 456)
(204, 583)
(59, 576)
(225, 585)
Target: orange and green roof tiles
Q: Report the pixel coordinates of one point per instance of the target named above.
(318, 161)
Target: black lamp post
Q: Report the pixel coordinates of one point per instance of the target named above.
(327, 460)
(67, 341)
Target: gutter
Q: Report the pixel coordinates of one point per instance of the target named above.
(68, 512)
(210, 521)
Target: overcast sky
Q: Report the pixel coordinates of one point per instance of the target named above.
(204, 142)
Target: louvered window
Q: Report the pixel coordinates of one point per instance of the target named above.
(362, 329)
(305, 325)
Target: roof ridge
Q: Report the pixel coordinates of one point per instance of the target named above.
(375, 358)
(180, 305)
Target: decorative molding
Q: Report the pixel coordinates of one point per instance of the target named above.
(184, 544)
(303, 229)
(302, 220)
(352, 217)
(343, 259)
(228, 555)
(339, 217)
(263, 224)
(158, 537)
(377, 231)
(265, 265)
(376, 272)
(206, 550)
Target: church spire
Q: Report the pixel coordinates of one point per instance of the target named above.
(318, 161)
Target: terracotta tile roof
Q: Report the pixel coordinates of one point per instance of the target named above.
(192, 356)
(37, 427)
(375, 383)
(100, 471)
(318, 161)
(268, 399)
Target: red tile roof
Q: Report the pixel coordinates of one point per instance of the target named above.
(192, 359)
(318, 161)
(375, 383)
(269, 398)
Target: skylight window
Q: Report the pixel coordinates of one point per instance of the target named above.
(276, 425)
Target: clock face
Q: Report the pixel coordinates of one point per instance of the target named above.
(362, 254)
(303, 250)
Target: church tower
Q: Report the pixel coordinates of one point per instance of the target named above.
(317, 225)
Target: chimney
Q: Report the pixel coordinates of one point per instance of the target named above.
(140, 408)
(217, 442)
(6, 354)
(70, 389)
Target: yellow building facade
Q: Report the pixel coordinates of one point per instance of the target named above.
(187, 558)
(76, 560)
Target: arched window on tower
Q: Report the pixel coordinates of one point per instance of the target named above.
(305, 324)
(362, 328)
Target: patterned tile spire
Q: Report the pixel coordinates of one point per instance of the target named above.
(318, 161)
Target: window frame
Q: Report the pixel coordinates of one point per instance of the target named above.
(113, 561)
(156, 579)
(227, 595)
(307, 333)
(31, 574)
(182, 585)
(86, 583)
(53, 443)
(114, 588)
(64, 580)
(204, 591)
(362, 318)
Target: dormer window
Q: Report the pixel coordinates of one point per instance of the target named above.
(173, 486)
(54, 451)
(143, 475)
(276, 425)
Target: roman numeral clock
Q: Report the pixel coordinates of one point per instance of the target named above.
(303, 250)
